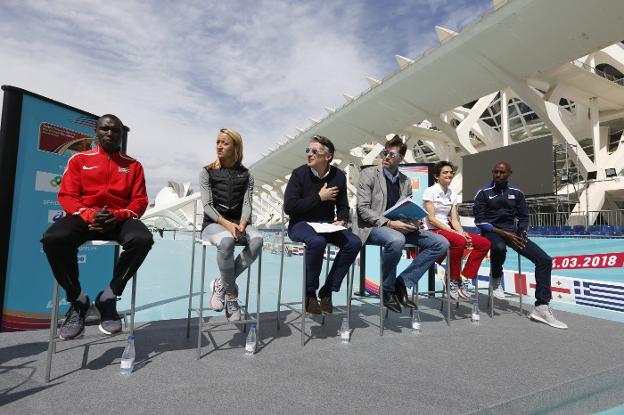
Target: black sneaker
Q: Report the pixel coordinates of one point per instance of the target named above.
(110, 321)
(74, 323)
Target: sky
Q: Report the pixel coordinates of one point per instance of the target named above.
(177, 73)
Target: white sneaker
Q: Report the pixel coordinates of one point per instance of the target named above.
(497, 289)
(543, 313)
(453, 290)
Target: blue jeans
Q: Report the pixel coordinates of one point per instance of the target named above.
(433, 247)
(348, 243)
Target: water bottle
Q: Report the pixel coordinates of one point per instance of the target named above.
(250, 344)
(127, 358)
(416, 325)
(345, 331)
(475, 317)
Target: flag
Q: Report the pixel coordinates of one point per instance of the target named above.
(599, 294)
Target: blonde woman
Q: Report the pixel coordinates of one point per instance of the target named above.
(226, 190)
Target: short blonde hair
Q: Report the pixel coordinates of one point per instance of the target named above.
(237, 140)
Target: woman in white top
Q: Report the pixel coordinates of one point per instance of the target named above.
(440, 204)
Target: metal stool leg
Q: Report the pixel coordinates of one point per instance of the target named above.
(258, 297)
(281, 274)
(190, 305)
(247, 299)
(381, 305)
(133, 304)
(490, 295)
(476, 284)
(200, 320)
(349, 291)
(53, 330)
(303, 297)
(448, 287)
(521, 282)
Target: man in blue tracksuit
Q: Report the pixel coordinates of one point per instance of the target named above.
(501, 212)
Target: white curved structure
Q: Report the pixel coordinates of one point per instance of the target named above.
(527, 69)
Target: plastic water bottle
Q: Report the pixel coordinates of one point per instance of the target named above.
(127, 358)
(475, 316)
(345, 331)
(250, 344)
(416, 327)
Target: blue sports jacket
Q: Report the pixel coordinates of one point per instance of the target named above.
(503, 207)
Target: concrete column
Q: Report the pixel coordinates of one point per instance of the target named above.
(594, 121)
(504, 118)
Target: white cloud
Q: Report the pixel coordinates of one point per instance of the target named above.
(177, 73)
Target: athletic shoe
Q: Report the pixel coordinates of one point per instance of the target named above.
(464, 292)
(110, 321)
(543, 313)
(232, 309)
(74, 323)
(217, 299)
(453, 290)
(497, 289)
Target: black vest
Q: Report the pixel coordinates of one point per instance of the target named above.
(228, 186)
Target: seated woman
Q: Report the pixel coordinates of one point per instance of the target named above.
(226, 189)
(440, 204)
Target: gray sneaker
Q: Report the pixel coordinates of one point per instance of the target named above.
(217, 299)
(74, 323)
(543, 313)
(232, 309)
(110, 321)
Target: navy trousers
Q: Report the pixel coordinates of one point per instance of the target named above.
(348, 243)
(532, 252)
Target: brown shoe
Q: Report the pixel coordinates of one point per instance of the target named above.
(326, 304)
(312, 305)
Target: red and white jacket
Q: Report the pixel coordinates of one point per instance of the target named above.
(94, 179)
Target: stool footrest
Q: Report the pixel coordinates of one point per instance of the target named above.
(226, 323)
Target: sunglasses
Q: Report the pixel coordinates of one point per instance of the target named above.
(113, 129)
(313, 150)
(385, 153)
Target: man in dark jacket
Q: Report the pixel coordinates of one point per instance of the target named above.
(317, 193)
(502, 214)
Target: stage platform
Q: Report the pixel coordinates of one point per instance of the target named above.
(506, 365)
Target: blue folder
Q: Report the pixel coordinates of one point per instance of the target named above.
(405, 210)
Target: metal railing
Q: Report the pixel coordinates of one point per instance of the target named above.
(586, 218)
(589, 68)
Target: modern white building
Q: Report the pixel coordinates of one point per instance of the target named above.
(526, 69)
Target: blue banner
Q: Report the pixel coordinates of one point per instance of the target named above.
(49, 133)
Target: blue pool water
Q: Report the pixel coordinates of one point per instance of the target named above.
(163, 280)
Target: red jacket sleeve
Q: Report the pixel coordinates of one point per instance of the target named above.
(139, 199)
(70, 192)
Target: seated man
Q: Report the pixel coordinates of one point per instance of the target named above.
(317, 192)
(497, 207)
(379, 188)
(103, 195)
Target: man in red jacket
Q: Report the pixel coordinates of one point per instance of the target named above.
(103, 195)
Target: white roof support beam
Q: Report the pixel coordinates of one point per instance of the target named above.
(464, 127)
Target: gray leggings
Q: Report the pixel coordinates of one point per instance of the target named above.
(231, 268)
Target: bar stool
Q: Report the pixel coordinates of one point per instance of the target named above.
(54, 320)
(293, 305)
(415, 292)
(201, 309)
